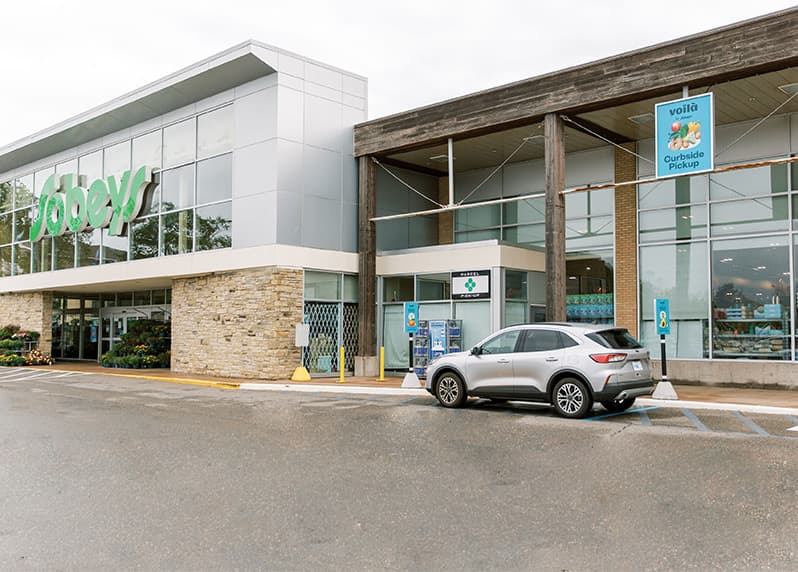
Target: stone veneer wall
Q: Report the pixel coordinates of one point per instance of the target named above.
(30, 311)
(238, 324)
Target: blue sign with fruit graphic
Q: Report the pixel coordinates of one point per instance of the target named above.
(684, 136)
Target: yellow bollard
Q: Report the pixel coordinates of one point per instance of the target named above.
(382, 364)
(341, 365)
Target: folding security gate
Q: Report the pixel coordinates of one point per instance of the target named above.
(331, 325)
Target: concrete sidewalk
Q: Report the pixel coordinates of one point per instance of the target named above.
(700, 393)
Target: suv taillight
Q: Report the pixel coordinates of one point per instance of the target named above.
(607, 358)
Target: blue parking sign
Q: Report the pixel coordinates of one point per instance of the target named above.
(411, 317)
(662, 316)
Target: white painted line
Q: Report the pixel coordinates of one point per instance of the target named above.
(13, 371)
(25, 375)
(793, 428)
(353, 389)
(678, 404)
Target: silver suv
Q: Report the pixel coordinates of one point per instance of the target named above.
(570, 366)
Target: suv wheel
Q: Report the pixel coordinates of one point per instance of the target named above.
(571, 398)
(618, 406)
(450, 390)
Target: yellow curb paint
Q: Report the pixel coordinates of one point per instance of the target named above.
(202, 383)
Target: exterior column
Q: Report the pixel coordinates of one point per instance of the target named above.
(366, 361)
(554, 158)
(626, 279)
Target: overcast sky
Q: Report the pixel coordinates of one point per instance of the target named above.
(58, 59)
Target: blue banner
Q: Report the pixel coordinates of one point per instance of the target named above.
(662, 316)
(684, 138)
(411, 317)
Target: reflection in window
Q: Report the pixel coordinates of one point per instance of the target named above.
(6, 220)
(679, 223)
(114, 247)
(214, 226)
(23, 192)
(22, 225)
(64, 247)
(177, 232)
(91, 166)
(40, 178)
(177, 188)
(116, 159)
(5, 261)
(144, 238)
(179, 143)
(764, 214)
(151, 202)
(397, 289)
(433, 287)
(147, 150)
(748, 182)
(42, 255)
(322, 285)
(88, 247)
(22, 258)
(681, 191)
(215, 132)
(215, 179)
(6, 196)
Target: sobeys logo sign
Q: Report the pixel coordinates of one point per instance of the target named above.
(67, 204)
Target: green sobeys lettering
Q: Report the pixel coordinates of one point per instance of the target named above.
(66, 203)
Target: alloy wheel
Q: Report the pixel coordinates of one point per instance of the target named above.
(570, 398)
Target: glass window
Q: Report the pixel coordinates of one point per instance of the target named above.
(677, 272)
(144, 238)
(124, 299)
(159, 296)
(322, 286)
(115, 247)
(515, 313)
(515, 285)
(215, 179)
(679, 223)
(541, 341)
(177, 188)
(681, 191)
(177, 232)
(476, 321)
(141, 298)
(476, 235)
(40, 178)
(6, 230)
(6, 268)
(88, 247)
(433, 287)
(22, 258)
(529, 235)
(151, 202)
(64, 247)
(765, 214)
(397, 289)
(67, 167)
(91, 166)
(6, 196)
(524, 212)
(215, 226)
(42, 255)
(477, 218)
(147, 150)
(502, 344)
(22, 225)
(751, 298)
(589, 232)
(748, 182)
(589, 286)
(23, 192)
(179, 143)
(589, 203)
(215, 132)
(116, 159)
(351, 288)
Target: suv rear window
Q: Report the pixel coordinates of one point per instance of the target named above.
(616, 339)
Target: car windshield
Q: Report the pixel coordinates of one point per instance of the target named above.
(616, 339)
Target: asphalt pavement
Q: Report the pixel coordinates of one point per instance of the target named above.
(104, 472)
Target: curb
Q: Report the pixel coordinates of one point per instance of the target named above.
(356, 389)
(678, 404)
(202, 383)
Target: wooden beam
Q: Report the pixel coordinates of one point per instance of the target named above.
(412, 167)
(744, 49)
(586, 126)
(367, 259)
(554, 160)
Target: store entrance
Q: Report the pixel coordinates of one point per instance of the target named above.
(117, 321)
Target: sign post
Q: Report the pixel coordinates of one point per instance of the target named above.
(662, 320)
(411, 327)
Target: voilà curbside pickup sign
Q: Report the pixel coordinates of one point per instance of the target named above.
(66, 203)
(684, 137)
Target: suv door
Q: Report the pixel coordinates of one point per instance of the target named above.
(490, 372)
(540, 355)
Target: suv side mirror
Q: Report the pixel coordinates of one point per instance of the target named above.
(476, 350)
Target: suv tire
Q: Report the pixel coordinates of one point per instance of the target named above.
(450, 390)
(571, 398)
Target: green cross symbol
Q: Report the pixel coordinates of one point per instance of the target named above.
(470, 284)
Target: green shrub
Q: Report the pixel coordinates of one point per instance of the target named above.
(146, 344)
(11, 344)
(8, 331)
(12, 360)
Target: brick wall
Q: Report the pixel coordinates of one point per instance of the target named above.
(237, 324)
(626, 280)
(30, 311)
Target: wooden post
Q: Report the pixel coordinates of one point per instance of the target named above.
(367, 259)
(554, 158)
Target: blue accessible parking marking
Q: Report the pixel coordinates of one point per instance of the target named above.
(640, 410)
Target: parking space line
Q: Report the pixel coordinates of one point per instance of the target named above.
(793, 419)
(11, 372)
(24, 375)
(645, 419)
(751, 424)
(599, 417)
(695, 420)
